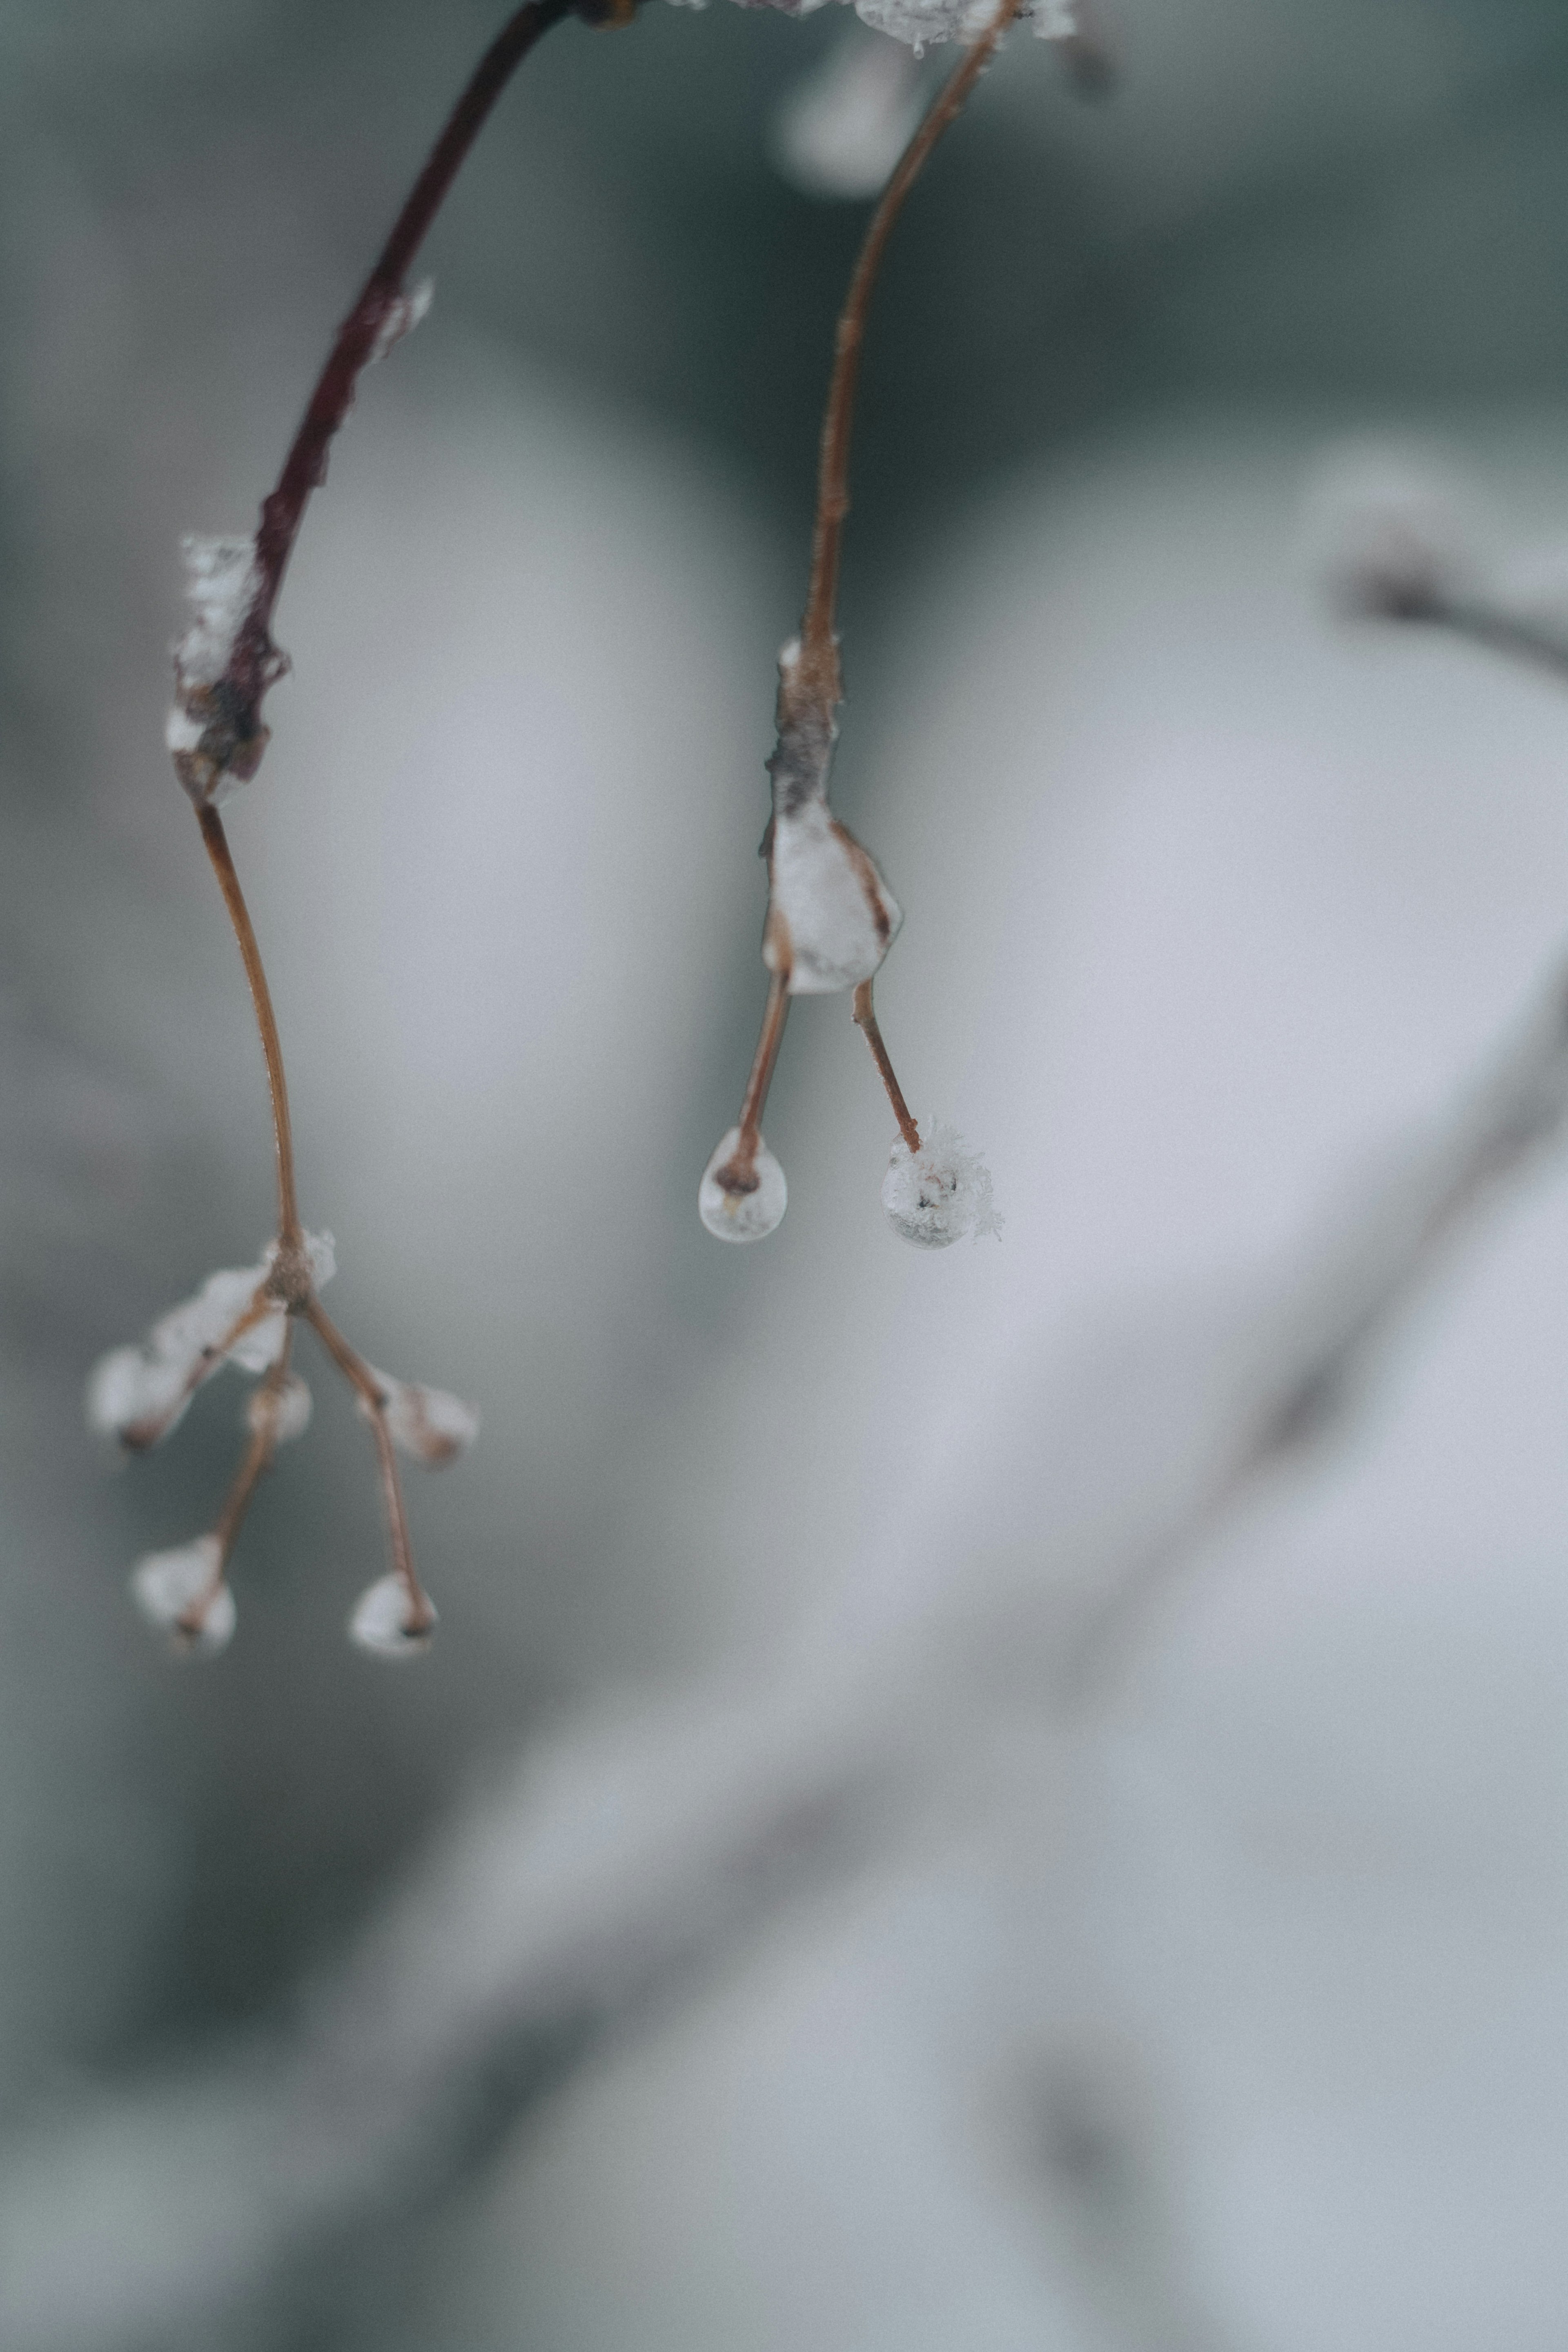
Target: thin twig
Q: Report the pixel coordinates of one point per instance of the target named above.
(1533, 643)
(291, 1234)
(257, 1459)
(254, 661)
(816, 680)
(776, 1013)
(866, 1023)
(421, 1617)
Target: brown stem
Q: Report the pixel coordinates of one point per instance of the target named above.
(817, 678)
(254, 661)
(290, 1232)
(774, 1018)
(357, 1372)
(865, 1020)
(258, 1458)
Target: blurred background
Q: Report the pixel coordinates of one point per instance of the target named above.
(1244, 2028)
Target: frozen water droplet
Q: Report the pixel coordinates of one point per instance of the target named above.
(168, 1585)
(380, 1622)
(936, 1195)
(741, 1202)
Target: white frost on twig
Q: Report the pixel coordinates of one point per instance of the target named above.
(402, 315)
(920, 22)
(221, 580)
(137, 1394)
(839, 916)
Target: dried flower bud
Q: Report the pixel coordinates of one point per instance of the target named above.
(831, 917)
(175, 1591)
(380, 1622)
(282, 1413)
(428, 1424)
(940, 1193)
(741, 1198)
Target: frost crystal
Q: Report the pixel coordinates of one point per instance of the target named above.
(221, 579)
(940, 1193)
(751, 1204)
(428, 1424)
(919, 21)
(402, 315)
(838, 917)
(168, 1586)
(139, 1394)
(379, 1622)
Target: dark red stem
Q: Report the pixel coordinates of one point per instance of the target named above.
(254, 663)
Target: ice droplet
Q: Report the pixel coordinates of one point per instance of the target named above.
(166, 1585)
(938, 1195)
(380, 1622)
(750, 1206)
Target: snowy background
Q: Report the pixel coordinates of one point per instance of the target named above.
(1221, 2009)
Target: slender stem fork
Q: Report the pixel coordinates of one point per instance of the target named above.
(357, 1372)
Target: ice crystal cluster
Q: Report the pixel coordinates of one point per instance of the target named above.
(925, 23)
(936, 1195)
(241, 1316)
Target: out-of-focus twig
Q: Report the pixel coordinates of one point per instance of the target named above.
(641, 1854)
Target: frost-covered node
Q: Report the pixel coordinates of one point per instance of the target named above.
(175, 1591)
(751, 1201)
(938, 1195)
(920, 21)
(139, 1394)
(215, 740)
(380, 1621)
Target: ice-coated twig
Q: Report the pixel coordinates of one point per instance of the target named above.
(635, 1857)
(217, 734)
(831, 918)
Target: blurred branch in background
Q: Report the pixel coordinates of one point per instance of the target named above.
(637, 1854)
